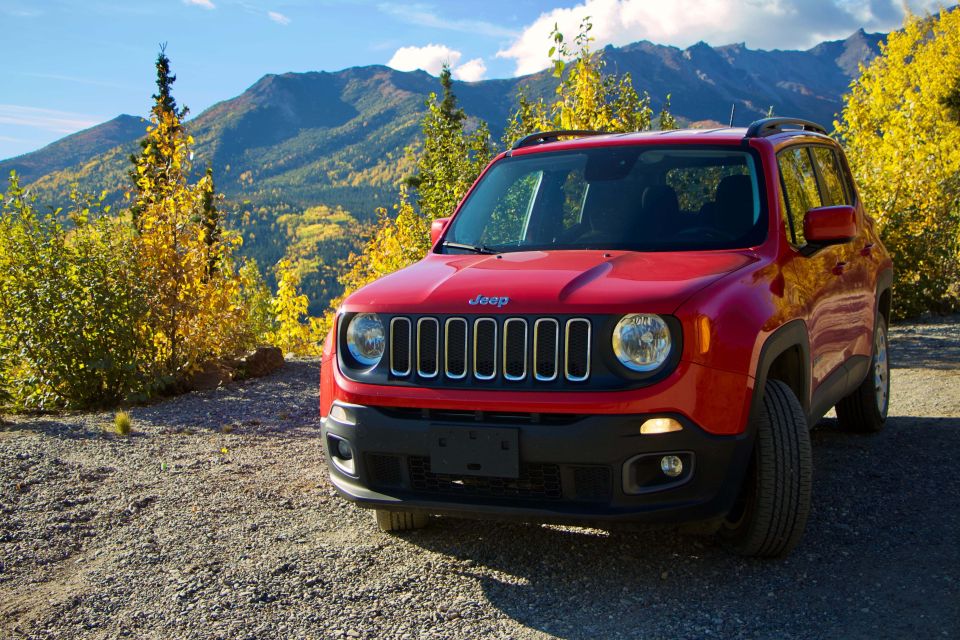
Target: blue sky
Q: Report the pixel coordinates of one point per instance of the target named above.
(68, 64)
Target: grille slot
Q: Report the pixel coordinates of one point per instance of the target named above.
(515, 349)
(455, 348)
(577, 350)
(546, 349)
(536, 482)
(485, 348)
(428, 347)
(400, 346)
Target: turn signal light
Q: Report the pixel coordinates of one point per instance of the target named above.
(660, 425)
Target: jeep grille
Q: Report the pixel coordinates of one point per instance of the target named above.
(488, 347)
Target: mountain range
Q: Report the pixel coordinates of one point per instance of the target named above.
(337, 138)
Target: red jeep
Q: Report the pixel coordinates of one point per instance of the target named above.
(635, 327)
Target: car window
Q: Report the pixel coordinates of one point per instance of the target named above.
(799, 190)
(696, 187)
(833, 183)
(636, 198)
(511, 211)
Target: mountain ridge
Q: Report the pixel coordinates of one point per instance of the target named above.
(337, 138)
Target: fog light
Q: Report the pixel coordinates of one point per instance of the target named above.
(660, 425)
(344, 452)
(672, 466)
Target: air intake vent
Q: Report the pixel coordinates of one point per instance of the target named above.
(577, 349)
(455, 348)
(546, 349)
(428, 347)
(400, 346)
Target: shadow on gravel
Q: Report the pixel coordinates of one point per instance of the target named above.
(879, 559)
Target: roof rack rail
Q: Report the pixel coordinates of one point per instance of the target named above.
(770, 126)
(543, 137)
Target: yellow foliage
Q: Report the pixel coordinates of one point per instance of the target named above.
(903, 142)
(289, 306)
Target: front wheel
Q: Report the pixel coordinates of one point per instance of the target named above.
(771, 512)
(865, 410)
(390, 521)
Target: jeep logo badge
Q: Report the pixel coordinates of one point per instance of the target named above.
(496, 301)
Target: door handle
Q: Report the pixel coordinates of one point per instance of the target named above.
(839, 268)
(867, 250)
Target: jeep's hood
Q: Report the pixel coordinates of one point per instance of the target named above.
(548, 282)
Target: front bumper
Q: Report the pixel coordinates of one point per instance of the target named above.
(573, 468)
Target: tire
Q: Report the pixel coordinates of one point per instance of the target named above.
(771, 512)
(390, 521)
(865, 410)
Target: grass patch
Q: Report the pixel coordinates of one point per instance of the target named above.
(122, 423)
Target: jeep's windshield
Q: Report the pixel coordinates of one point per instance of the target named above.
(637, 198)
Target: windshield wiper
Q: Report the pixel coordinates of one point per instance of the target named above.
(469, 247)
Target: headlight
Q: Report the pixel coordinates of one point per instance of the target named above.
(641, 341)
(365, 338)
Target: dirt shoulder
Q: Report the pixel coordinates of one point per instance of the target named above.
(215, 520)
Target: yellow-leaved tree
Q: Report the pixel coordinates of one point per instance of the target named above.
(586, 97)
(197, 308)
(288, 307)
(901, 132)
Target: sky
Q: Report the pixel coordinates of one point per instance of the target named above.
(66, 65)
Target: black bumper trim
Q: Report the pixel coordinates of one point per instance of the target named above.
(593, 442)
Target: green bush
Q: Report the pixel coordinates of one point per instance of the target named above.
(70, 302)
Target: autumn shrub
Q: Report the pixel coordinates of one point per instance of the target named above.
(902, 137)
(71, 304)
(294, 332)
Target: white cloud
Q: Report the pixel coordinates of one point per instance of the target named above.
(471, 70)
(766, 24)
(46, 119)
(206, 4)
(430, 58)
(279, 18)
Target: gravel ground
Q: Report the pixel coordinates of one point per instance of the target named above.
(215, 520)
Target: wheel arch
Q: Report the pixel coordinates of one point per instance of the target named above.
(884, 301)
(785, 356)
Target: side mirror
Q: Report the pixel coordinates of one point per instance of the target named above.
(436, 229)
(830, 225)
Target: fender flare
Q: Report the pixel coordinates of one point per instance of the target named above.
(792, 334)
(884, 284)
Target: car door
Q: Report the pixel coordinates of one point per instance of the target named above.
(812, 279)
(855, 303)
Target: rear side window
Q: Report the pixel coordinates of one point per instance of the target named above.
(833, 183)
(799, 192)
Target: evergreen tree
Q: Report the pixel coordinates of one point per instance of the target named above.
(210, 220)
(157, 164)
(451, 158)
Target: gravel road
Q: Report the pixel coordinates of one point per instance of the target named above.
(215, 519)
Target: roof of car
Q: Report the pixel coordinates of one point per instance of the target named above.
(770, 128)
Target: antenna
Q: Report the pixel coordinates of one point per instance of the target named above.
(733, 108)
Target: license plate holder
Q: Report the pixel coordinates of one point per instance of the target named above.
(475, 451)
